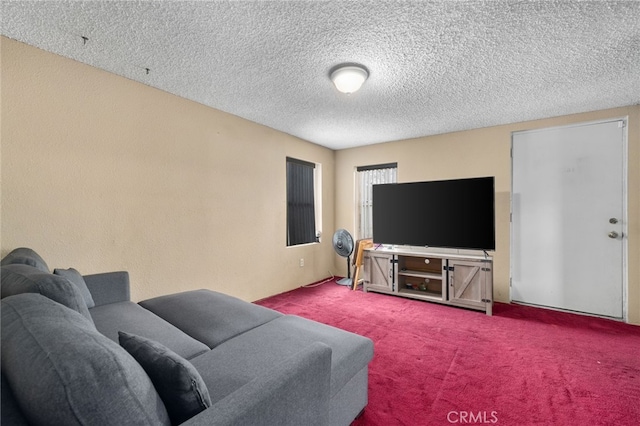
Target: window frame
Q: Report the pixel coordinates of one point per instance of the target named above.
(303, 211)
(362, 233)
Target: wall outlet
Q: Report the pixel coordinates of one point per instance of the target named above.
(301, 262)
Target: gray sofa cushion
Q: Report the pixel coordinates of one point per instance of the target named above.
(132, 318)
(208, 316)
(237, 361)
(75, 278)
(25, 256)
(18, 279)
(10, 411)
(176, 380)
(292, 392)
(62, 371)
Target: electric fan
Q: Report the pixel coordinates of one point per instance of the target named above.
(343, 245)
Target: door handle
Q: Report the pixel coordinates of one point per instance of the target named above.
(613, 234)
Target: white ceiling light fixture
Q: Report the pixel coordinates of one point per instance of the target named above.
(348, 78)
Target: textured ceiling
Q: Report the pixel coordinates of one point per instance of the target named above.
(435, 67)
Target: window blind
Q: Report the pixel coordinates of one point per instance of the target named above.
(366, 177)
(301, 221)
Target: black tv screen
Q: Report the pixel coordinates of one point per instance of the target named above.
(455, 213)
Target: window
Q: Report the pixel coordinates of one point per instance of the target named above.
(301, 202)
(366, 177)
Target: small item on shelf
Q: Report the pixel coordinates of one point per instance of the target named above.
(422, 287)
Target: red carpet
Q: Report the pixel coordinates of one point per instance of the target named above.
(438, 365)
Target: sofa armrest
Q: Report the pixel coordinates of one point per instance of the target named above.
(109, 287)
(294, 392)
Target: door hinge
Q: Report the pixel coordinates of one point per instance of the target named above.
(622, 124)
(486, 269)
(448, 268)
(486, 300)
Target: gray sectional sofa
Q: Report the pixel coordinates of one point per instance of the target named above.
(77, 350)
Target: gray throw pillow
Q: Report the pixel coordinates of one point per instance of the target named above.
(25, 256)
(178, 383)
(18, 279)
(62, 371)
(76, 278)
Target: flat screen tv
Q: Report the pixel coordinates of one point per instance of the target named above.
(455, 213)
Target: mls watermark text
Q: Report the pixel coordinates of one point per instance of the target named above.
(472, 417)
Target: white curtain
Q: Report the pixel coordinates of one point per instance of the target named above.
(365, 179)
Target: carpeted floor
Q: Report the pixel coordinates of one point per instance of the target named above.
(439, 365)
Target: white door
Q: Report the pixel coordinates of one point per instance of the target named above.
(568, 213)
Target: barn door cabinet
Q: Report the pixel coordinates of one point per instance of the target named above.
(378, 271)
(453, 279)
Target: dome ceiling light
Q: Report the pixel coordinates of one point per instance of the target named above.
(348, 78)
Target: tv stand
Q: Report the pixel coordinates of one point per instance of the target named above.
(433, 275)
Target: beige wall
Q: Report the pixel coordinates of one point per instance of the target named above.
(486, 152)
(102, 173)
